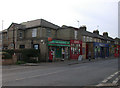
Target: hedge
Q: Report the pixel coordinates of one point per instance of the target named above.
(6, 55)
(26, 54)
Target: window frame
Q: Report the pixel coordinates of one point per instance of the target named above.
(34, 32)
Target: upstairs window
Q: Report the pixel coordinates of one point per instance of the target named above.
(22, 46)
(20, 35)
(84, 38)
(48, 34)
(87, 39)
(90, 39)
(34, 33)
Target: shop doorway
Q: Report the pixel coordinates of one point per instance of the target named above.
(102, 52)
(58, 53)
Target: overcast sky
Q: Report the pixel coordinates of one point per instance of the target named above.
(95, 14)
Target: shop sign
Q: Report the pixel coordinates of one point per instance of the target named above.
(58, 45)
(59, 42)
(76, 41)
(101, 45)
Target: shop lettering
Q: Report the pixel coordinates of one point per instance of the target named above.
(60, 42)
(101, 45)
(76, 41)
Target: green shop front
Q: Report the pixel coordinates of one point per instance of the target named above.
(58, 49)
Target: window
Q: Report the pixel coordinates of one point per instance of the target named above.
(75, 32)
(36, 46)
(20, 35)
(94, 40)
(48, 33)
(84, 38)
(90, 39)
(34, 32)
(22, 46)
(87, 38)
(108, 41)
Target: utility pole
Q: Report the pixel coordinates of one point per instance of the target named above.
(2, 25)
(2, 36)
(78, 23)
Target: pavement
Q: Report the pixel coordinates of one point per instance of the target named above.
(67, 62)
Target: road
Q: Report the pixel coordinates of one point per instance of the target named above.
(84, 74)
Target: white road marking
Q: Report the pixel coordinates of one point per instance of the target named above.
(99, 84)
(116, 80)
(104, 81)
(110, 77)
(16, 68)
(39, 75)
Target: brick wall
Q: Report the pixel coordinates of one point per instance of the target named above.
(9, 61)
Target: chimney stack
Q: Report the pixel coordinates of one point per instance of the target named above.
(83, 28)
(105, 34)
(96, 32)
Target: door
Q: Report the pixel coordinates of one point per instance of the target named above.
(58, 53)
(86, 51)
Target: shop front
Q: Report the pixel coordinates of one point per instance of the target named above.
(101, 50)
(58, 49)
(117, 51)
(111, 50)
(75, 49)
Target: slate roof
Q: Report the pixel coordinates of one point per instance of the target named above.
(109, 38)
(40, 22)
(90, 34)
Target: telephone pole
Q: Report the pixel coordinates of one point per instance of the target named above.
(2, 24)
(78, 23)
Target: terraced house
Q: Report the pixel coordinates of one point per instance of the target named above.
(56, 42)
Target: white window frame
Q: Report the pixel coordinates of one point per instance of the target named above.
(75, 33)
(34, 32)
(84, 38)
(87, 38)
(21, 35)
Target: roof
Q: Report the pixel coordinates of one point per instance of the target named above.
(16, 25)
(108, 38)
(87, 33)
(4, 31)
(64, 27)
(39, 22)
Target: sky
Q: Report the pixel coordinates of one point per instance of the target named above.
(95, 14)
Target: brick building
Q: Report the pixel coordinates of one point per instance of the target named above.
(67, 42)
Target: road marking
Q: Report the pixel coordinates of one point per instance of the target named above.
(39, 75)
(110, 77)
(104, 81)
(100, 84)
(15, 68)
(116, 80)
